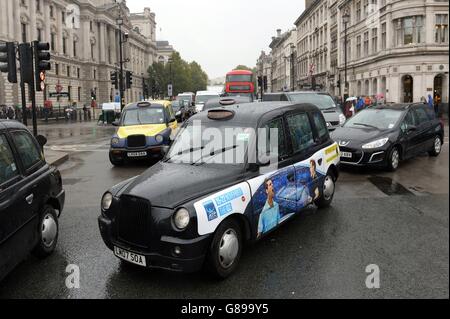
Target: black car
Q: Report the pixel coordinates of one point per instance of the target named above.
(31, 197)
(226, 101)
(324, 101)
(199, 205)
(182, 110)
(385, 135)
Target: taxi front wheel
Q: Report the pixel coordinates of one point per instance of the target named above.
(225, 251)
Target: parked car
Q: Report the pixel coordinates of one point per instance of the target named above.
(217, 204)
(31, 197)
(386, 135)
(202, 98)
(143, 129)
(324, 101)
(226, 101)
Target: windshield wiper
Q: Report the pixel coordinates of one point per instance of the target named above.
(213, 154)
(366, 125)
(186, 151)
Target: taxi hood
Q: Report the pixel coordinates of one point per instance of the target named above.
(169, 185)
(147, 130)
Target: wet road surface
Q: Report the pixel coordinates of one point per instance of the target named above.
(398, 221)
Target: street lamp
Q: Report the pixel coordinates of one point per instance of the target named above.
(120, 22)
(345, 20)
(171, 79)
(292, 67)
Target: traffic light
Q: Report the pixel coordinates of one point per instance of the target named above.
(41, 63)
(115, 79)
(260, 81)
(265, 82)
(8, 61)
(129, 79)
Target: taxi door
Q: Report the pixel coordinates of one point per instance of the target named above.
(173, 124)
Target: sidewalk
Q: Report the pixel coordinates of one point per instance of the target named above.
(55, 158)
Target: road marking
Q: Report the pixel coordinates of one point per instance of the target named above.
(80, 148)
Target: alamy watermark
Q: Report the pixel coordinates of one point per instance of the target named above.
(373, 279)
(73, 279)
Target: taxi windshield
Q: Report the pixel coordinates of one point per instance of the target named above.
(211, 143)
(143, 116)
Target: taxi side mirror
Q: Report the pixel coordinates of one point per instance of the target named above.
(42, 140)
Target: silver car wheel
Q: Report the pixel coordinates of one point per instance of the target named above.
(49, 230)
(328, 188)
(228, 248)
(437, 145)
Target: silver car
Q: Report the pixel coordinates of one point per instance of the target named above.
(332, 113)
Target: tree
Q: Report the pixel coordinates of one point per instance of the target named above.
(184, 76)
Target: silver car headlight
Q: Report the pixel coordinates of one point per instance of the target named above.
(181, 218)
(115, 141)
(376, 144)
(107, 201)
(342, 119)
(159, 138)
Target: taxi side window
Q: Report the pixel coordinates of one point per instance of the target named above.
(409, 121)
(28, 151)
(278, 125)
(8, 167)
(301, 132)
(321, 126)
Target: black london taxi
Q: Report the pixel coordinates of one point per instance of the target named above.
(385, 135)
(31, 197)
(233, 174)
(144, 128)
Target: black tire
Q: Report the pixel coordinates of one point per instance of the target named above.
(326, 199)
(393, 159)
(437, 148)
(116, 162)
(214, 262)
(48, 231)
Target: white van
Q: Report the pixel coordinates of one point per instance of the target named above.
(203, 97)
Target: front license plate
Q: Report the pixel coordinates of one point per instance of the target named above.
(137, 154)
(346, 155)
(129, 256)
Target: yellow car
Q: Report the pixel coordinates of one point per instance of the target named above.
(144, 128)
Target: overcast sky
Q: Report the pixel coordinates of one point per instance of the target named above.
(220, 34)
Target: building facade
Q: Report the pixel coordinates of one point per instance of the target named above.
(264, 68)
(396, 49)
(164, 51)
(84, 45)
(283, 60)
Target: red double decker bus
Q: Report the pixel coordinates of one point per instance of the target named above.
(240, 82)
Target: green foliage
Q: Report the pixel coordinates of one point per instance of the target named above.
(185, 77)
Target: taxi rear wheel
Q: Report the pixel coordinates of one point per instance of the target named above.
(225, 250)
(48, 232)
(327, 193)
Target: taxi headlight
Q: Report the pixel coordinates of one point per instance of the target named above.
(376, 144)
(342, 119)
(107, 201)
(115, 141)
(181, 218)
(159, 139)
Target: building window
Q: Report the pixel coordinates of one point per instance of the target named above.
(74, 48)
(56, 68)
(38, 5)
(91, 26)
(409, 30)
(24, 32)
(366, 44)
(358, 11)
(95, 74)
(52, 12)
(366, 8)
(64, 43)
(78, 73)
(383, 36)
(92, 51)
(441, 28)
(79, 94)
(68, 71)
(374, 40)
(358, 47)
(63, 17)
(52, 42)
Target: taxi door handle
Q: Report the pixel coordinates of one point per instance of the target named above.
(30, 199)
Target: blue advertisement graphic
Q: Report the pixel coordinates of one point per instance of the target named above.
(223, 203)
(210, 209)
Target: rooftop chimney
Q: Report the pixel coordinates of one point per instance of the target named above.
(308, 3)
(279, 33)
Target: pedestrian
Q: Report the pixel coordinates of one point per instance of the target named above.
(11, 114)
(437, 102)
(430, 102)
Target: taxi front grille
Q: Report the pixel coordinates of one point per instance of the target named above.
(134, 220)
(136, 141)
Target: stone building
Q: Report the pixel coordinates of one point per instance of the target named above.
(84, 41)
(283, 60)
(264, 68)
(395, 48)
(164, 51)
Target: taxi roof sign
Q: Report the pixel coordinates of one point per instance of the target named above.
(144, 104)
(220, 115)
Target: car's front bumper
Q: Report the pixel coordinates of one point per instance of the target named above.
(360, 157)
(162, 252)
(152, 152)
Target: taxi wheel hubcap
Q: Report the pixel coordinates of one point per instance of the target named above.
(395, 159)
(437, 145)
(49, 230)
(228, 248)
(328, 188)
